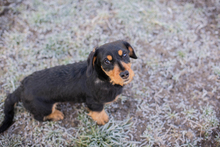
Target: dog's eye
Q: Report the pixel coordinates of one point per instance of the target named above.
(124, 55)
(107, 61)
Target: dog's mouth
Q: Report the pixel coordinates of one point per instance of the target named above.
(126, 81)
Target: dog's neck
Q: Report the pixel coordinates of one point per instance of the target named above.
(101, 74)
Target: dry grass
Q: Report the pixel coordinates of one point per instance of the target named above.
(174, 97)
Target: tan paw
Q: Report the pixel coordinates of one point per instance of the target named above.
(55, 116)
(100, 117)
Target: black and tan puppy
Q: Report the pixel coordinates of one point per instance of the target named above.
(97, 81)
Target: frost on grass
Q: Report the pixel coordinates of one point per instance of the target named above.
(114, 133)
(174, 97)
(163, 127)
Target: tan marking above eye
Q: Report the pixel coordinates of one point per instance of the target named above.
(109, 57)
(120, 52)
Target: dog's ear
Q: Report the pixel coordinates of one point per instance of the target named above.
(130, 49)
(91, 62)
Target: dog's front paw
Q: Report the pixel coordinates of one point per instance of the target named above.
(100, 117)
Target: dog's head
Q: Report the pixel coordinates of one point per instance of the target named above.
(113, 60)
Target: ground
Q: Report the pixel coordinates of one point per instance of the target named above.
(174, 98)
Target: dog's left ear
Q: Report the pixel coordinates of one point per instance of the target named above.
(91, 62)
(130, 49)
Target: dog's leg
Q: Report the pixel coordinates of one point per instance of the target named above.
(55, 114)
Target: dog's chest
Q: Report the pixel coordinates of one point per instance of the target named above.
(106, 91)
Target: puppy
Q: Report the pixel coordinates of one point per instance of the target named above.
(97, 81)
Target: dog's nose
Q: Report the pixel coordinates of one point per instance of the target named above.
(124, 74)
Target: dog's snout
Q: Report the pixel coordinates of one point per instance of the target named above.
(124, 74)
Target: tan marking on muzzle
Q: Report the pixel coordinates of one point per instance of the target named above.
(127, 67)
(115, 77)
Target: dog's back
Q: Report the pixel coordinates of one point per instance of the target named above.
(56, 83)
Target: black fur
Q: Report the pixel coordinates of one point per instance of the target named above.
(82, 82)
(9, 109)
